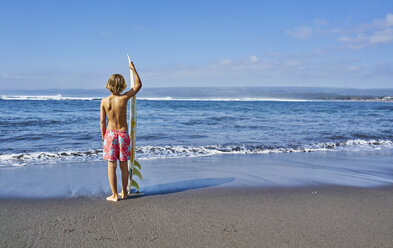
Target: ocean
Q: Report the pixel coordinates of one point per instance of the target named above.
(53, 129)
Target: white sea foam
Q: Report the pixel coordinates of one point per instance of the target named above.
(223, 99)
(240, 99)
(162, 152)
(156, 98)
(59, 97)
(52, 97)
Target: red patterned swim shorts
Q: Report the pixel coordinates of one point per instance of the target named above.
(116, 145)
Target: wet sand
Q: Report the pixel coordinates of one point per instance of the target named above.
(209, 217)
(90, 179)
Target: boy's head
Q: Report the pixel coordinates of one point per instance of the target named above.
(116, 84)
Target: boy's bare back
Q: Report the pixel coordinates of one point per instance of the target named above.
(115, 107)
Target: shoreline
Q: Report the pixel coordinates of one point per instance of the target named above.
(341, 168)
(314, 216)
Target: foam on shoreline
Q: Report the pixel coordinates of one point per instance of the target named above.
(179, 151)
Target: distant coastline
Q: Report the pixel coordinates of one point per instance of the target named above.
(360, 98)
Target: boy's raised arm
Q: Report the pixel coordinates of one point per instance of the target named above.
(102, 120)
(138, 83)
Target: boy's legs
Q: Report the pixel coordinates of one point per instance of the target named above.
(124, 178)
(112, 180)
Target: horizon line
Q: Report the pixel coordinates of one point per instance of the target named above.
(200, 87)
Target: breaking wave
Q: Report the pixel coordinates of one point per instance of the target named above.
(43, 98)
(180, 151)
(60, 97)
(242, 99)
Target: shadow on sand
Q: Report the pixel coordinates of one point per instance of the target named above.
(175, 187)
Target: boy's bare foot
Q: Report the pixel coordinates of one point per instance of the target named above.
(123, 195)
(112, 198)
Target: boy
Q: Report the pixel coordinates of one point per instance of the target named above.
(115, 137)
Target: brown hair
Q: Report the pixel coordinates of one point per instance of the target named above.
(116, 84)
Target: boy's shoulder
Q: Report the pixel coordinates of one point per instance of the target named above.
(119, 97)
(104, 99)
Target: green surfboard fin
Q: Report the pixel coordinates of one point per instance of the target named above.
(137, 173)
(136, 164)
(135, 184)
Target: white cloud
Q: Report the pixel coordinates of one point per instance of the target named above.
(320, 22)
(249, 70)
(319, 50)
(382, 36)
(366, 35)
(292, 63)
(379, 31)
(303, 32)
(225, 62)
(253, 59)
(384, 23)
(12, 76)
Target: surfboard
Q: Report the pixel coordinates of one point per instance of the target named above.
(134, 168)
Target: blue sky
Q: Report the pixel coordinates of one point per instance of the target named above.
(79, 44)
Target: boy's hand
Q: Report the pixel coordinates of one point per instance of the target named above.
(131, 66)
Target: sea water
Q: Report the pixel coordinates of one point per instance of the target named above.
(50, 144)
(55, 129)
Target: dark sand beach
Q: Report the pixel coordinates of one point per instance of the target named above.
(327, 199)
(252, 217)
